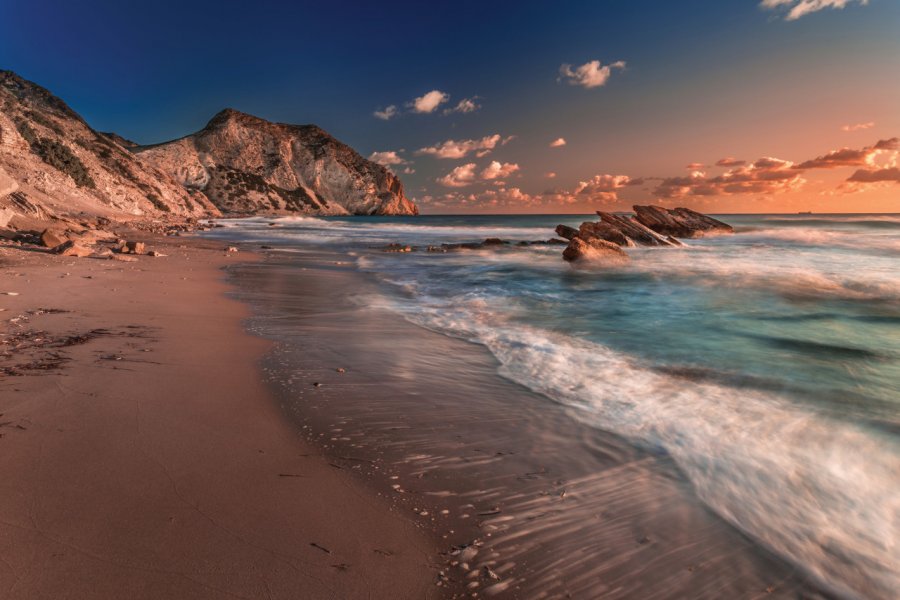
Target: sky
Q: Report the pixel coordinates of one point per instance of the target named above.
(501, 107)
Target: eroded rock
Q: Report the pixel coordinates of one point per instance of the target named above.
(633, 230)
(595, 251)
(679, 222)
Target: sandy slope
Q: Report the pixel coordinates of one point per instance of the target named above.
(146, 460)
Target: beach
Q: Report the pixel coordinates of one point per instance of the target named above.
(686, 425)
(318, 415)
(144, 458)
(529, 501)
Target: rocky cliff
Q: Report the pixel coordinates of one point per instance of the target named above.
(247, 165)
(52, 163)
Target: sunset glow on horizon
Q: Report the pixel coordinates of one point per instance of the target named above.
(740, 106)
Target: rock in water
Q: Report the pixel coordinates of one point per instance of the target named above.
(564, 231)
(247, 165)
(594, 250)
(679, 222)
(633, 230)
(604, 231)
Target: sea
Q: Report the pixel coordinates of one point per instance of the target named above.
(765, 364)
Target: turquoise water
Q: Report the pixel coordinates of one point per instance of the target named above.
(766, 364)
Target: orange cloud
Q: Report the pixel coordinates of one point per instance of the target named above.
(730, 162)
(847, 157)
(765, 176)
(888, 174)
(858, 126)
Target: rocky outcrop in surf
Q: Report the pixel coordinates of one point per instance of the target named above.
(247, 165)
(679, 222)
(650, 226)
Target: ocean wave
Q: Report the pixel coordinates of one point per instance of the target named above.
(359, 228)
(791, 478)
(813, 236)
(874, 221)
(787, 276)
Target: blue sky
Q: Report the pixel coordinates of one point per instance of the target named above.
(702, 80)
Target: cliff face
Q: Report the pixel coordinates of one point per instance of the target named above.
(247, 165)
(52, 163)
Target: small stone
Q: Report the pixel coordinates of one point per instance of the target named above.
(156, 254)
(231, 249)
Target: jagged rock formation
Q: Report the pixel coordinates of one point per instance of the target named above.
(54, 164)
(247, 165)
(651, 226)
(679, 222)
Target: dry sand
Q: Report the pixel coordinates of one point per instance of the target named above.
(142, 457)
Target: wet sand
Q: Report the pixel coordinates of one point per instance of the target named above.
(143, 457)
(530, 502)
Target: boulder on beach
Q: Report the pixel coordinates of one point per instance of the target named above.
(52, 239)
(594, 251)
(70, 248)
(679, 222)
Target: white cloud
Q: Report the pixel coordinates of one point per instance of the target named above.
(589, 75)
(461, 148)
(466, 105)
(558, 142)
(858, 126)
(550, 175)
(800, 8)
(429, 102)
(387, 158)
(461, 176)
(388, 113)
(496, 170)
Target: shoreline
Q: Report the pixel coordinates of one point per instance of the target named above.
(144, 458)
(551, 506)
